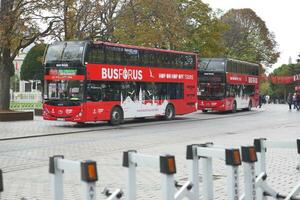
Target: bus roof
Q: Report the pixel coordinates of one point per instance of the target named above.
(143, 48)
(231, 59)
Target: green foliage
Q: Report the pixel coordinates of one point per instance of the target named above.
(265, 88)
(281, 91)
(170, 24)
(248, 37)
(32, 68)
(203, 29)
(287, 70)
(150, 23)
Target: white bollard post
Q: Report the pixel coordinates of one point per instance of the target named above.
(1, 183)
(168, 169)
(260, 148)
(87, 170)
(207, 178)
(57, 179)
(168, 189)
(233, 161)
(89, 177)
(249, 158)
(131, 179)
(232, 182)
(298, 150)
(191, 154)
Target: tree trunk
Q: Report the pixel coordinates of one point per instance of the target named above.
(4, 90)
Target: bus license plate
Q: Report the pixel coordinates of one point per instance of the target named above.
(60, 119)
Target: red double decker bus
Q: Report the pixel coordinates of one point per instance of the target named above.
(99, 81)
(227, 85)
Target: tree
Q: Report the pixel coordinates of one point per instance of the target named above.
(32, 68)
(280, 90)
(204, 29)
(82, 19)
(248, 37)
(150, 23)
(170, 24)
(19, 28)
(265, 88)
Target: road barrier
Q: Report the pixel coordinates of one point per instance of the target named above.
(167, 167)
(263, 189)
(87, 169)
(252, 158)
(206, 153)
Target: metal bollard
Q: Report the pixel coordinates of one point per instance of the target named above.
(206, 152)
(1, 183)
(249, 158)
(88, 173)
(263, 189)
(167, 167)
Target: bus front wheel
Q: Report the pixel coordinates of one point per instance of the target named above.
(170, 112)
(116, 116)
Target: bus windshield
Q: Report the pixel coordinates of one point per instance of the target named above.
(212, 65)
(64, 90)
(212, 91)
(65, 51)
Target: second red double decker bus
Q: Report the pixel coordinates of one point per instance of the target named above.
(99, 81)
(227, 85)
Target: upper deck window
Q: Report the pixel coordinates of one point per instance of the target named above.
(212, 65)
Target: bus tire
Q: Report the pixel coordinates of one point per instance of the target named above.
(116, 116)
(80, 124)
(234, 107)
(169, 112)
(205, 111)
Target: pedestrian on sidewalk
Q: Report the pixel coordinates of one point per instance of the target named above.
(295, 101)
(298, 100)
(290, 100)
(260, 100)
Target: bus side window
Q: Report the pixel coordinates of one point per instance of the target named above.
(94, 91)
(148, 58)
(131, 56)
(96, 54)
(177, 61)
(187, 61)
(234, 67)
(229, 66)
(114, 55)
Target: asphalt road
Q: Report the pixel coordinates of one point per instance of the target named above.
(26, 146)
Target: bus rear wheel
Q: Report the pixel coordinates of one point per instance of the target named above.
(116, 116)
(170, 112)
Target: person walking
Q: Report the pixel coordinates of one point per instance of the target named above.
(260, 101)
(290, 100)
(295, 101)
(298, 100)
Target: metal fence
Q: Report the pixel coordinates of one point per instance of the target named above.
(25, 105)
